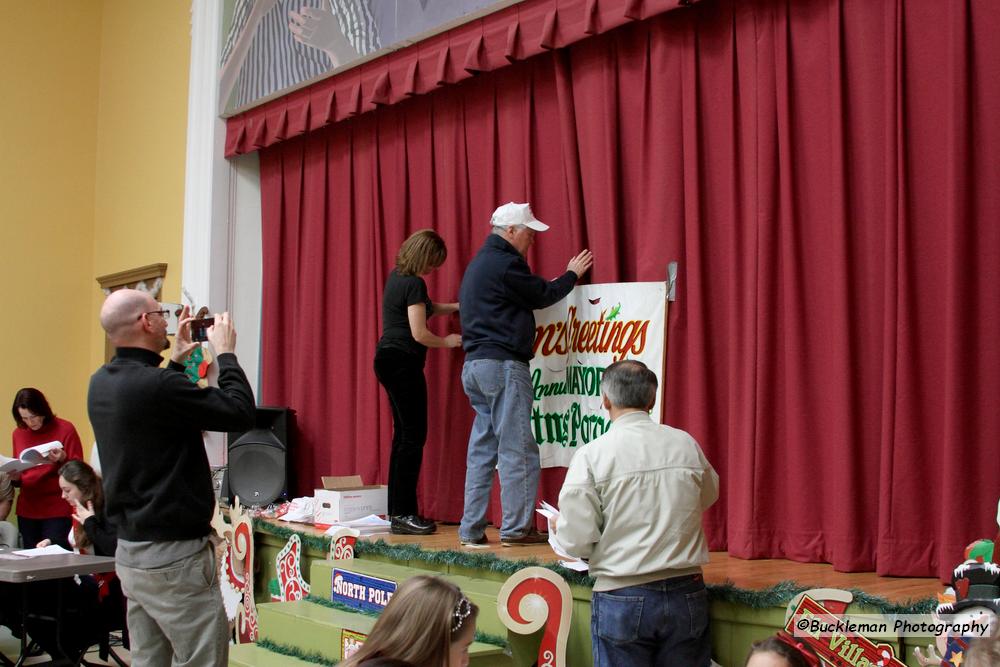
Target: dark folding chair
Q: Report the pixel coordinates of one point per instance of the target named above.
(113, 630)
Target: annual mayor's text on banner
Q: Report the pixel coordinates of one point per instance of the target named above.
(575, 340)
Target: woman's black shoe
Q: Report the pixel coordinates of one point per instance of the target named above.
(411, 524)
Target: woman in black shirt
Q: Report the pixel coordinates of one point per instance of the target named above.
(399, 366)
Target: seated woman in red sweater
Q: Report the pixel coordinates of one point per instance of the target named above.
(41, 511)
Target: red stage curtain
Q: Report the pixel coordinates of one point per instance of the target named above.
(827, 174)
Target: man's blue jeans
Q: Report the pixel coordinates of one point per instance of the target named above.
(501, 395)
(661, 624)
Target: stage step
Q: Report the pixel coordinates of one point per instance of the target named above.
(482, 592)
(251, 655)
(308, 626)
(314, 628)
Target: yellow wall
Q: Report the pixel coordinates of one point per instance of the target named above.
(141, 134)
(50, 54)
(92, 130)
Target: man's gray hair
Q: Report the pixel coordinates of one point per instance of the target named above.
(500, 229)
(629, 384)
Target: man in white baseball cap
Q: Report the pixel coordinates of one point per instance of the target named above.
(511, 215)
(498, 295)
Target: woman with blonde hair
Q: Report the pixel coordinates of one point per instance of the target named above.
(399, 367)
(428, 623)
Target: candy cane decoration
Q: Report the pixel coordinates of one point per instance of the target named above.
(536, 597)
(236, 571)
(291, 584)
(342, 544)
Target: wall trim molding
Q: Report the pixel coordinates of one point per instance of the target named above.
(128, 277)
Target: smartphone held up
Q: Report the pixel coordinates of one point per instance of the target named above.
(199, 328)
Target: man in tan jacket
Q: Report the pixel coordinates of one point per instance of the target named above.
(632, 504)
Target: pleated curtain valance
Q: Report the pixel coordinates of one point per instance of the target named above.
(482, 45)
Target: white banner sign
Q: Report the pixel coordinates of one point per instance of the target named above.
(575, 340)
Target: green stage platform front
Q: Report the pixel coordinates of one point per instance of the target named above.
(739, 616)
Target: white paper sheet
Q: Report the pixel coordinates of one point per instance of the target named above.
(366, 525)
(551, 513)
(51, 550)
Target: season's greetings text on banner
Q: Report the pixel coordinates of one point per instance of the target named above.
(575, 340)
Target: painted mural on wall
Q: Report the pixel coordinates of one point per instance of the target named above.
(271, 46)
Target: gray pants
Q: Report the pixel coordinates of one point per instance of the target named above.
(175, 613)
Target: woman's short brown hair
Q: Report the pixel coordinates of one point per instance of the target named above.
(34, 402)
(424, 250)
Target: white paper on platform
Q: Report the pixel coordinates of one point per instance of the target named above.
(370, 520)
(366, 525)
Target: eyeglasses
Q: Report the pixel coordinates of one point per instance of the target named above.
(162, 313)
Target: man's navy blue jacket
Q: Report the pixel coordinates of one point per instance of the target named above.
(497, 297)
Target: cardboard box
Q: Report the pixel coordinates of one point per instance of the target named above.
(346, 499)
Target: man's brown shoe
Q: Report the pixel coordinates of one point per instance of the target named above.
(480, 542)
(531, 537)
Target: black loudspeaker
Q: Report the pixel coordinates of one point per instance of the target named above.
(258, 458)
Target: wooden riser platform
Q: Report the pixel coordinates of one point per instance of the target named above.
(735, 622)
(749, 574)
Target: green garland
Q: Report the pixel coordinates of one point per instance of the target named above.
(775, 596)
(413, 552)
(314, 542)
(294, 652)
(473, 561)
(493, 640)
(482, 637)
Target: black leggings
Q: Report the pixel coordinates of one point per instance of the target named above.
(402, 375)
(34, 531)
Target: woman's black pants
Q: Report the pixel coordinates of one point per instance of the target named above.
(402, 375)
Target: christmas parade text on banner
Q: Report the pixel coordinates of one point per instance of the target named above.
(575, 340)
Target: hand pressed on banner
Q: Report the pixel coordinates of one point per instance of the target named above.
(581, 263)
